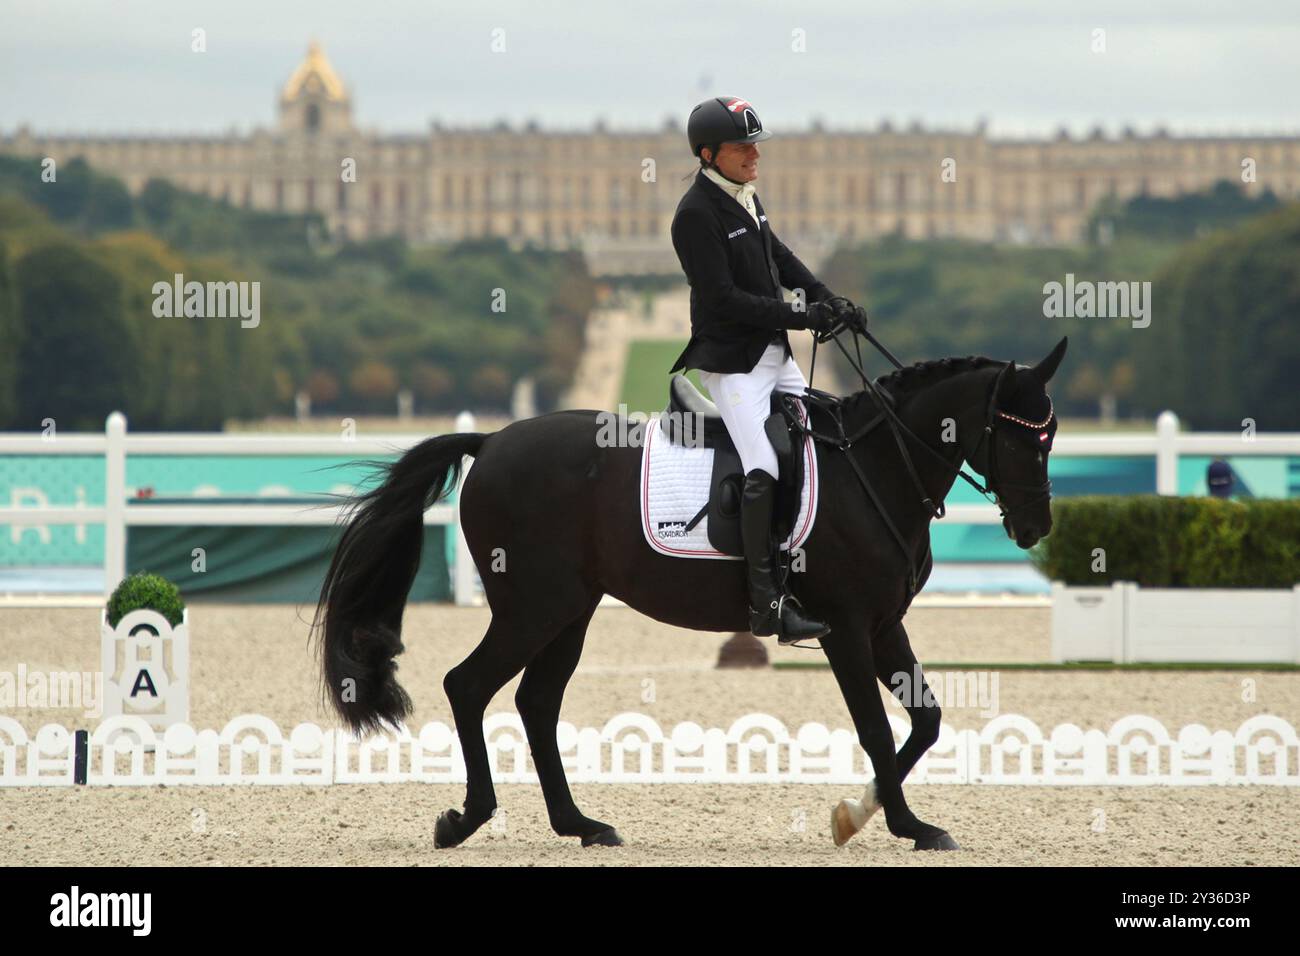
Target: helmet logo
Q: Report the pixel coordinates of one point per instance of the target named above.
(752, 125)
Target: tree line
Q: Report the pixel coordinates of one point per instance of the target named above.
(350, 324)
(1223, 342)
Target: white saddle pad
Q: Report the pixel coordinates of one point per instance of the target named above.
(675, 486)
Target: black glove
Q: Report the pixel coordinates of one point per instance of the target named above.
(842, 307)
(820, 318)
(849, 315)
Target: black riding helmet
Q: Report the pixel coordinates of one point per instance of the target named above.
(723, 119)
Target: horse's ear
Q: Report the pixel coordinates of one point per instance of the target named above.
(1045, 369)
(1008, 387)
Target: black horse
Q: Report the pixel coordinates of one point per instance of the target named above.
(563, 513)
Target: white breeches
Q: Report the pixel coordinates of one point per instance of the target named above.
(744, 399)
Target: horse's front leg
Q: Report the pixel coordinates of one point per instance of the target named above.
(852, 661)
(895, 662)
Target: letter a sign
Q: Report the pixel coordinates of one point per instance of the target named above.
(146, 665)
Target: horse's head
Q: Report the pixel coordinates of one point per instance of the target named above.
(1012, 450)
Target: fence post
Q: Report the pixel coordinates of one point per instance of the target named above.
(1166, 453)
(463, 580)
(114, 501)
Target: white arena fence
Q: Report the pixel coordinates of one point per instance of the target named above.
(1165, 444)
(633, 749)
(116, 515)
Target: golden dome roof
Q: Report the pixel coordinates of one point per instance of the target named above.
(314, 75)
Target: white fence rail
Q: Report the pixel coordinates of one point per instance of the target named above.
(117, 514)
(632, 748)
(1165, 443)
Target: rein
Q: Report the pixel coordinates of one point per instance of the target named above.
(833, 406)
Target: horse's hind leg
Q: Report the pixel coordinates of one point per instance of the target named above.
(538, 700)
(504, 651)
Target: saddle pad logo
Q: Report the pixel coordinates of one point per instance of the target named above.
(739, 232)
(671, 529)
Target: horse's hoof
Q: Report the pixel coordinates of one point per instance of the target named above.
(939, 841)
(847, 818)
(445, 832)
(607, 837)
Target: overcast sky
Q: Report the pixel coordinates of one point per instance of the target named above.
(1025, 65)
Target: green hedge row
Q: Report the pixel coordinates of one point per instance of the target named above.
(1163, 541)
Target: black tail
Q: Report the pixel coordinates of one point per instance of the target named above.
(358, 623)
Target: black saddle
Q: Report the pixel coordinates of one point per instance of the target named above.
(692, 420)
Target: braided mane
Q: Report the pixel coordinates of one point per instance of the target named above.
(905, 381)
(1032, 403)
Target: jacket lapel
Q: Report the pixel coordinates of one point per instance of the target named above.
(729, 208)
(724, 203)
(766, 230)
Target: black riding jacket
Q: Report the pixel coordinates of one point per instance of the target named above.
(736, 270)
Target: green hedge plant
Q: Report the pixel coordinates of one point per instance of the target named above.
(1164, 541)
(146, 590)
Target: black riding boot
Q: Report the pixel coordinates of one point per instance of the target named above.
(770, 610)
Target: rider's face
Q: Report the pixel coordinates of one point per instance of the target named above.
(739, 161)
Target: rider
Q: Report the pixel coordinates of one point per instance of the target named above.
(736, 267)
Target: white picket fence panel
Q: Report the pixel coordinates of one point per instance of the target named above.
(633, 748)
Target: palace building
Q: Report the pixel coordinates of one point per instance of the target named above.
(613, 193)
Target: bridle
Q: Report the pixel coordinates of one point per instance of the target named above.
(991, 422)
(993, 419)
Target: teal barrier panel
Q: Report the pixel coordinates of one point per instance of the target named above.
(72, 480)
